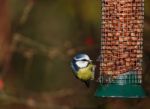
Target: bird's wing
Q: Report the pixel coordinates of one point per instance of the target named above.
(75, 70)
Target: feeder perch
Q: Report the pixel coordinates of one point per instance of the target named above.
(121, 49)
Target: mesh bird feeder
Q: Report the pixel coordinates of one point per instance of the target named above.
(121, 49)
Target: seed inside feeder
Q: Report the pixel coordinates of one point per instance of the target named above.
(122, 30)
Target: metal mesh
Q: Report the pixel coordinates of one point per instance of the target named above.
(121, 41)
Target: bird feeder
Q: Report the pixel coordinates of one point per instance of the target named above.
(121, 49)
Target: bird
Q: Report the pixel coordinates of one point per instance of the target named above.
(83, 68)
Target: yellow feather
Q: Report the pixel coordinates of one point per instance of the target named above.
(85, 73)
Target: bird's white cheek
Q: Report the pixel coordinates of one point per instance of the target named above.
(82, 64)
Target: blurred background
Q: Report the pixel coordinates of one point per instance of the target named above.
(38, 38)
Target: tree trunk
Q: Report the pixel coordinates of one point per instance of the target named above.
(4, 34)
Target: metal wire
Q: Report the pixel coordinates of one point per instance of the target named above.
(121, 41)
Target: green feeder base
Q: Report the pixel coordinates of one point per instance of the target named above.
(122, 91)
(122, 87)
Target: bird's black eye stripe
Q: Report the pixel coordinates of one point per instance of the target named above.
(84, 60)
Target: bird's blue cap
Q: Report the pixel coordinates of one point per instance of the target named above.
(80, 57)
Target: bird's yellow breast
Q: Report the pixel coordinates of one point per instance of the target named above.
(85, 73)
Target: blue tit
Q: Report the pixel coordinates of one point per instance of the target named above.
(83, 68)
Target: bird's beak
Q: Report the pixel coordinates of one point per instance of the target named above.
(90, 61)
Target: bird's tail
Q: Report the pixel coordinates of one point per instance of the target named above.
(87, 83)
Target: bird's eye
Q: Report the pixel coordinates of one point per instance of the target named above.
(82, 64)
